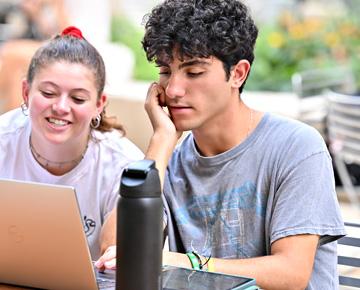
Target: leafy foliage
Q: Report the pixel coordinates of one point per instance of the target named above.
(294, 43)
(125, 32)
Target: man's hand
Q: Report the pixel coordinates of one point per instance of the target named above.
(107, 260)
(155, 106)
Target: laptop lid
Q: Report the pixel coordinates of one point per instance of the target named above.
(43, 244)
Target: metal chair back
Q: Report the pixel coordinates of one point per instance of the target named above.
(350, 277)
(343, 124)
(309, 83)
(309, 86)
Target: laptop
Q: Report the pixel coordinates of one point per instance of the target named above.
(43, 245)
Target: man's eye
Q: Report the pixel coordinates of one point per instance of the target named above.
(164, 73)
(194, 74)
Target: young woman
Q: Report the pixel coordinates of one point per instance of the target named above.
(61, 134)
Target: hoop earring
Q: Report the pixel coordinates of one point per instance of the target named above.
(24, 109)
(95, 123)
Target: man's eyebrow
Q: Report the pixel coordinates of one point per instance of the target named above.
(184, 64)
(193, 62)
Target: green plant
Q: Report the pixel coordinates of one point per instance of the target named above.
(294, 43)
(125, 32)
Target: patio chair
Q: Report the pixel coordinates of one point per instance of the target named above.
(350, 264)
(309, 86)
(309, 83)
(343, 124)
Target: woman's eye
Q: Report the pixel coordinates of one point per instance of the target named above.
(47, 94)
(78, 100)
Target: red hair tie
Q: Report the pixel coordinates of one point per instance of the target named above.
(73, 31)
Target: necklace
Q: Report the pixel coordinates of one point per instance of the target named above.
(46, 163)
(250, 123)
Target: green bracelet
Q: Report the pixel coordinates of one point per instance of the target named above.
(194, 261)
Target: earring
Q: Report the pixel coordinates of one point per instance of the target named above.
(24, 109)
(95, 123)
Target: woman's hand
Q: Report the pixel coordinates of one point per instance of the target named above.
(107, 260)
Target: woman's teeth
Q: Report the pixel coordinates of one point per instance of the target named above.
(58, 122)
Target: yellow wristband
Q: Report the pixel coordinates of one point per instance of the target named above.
(210, 265)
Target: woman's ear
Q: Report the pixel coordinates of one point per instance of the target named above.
(25, 91)
(101, 103)
(239, 73)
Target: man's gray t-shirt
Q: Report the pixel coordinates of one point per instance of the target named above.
(278, 182)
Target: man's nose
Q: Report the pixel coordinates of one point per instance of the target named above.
(175, 88)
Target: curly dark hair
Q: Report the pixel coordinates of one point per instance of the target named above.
(200, 28)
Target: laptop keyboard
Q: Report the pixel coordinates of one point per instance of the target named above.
(106, 280)
(105, 283)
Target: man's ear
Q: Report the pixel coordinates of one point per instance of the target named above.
(239, 73)
(25, 91)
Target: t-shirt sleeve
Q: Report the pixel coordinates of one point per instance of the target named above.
(128, 154)
(110, 201)
(306, 201)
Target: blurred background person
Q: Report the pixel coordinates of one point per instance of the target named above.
(27, 23)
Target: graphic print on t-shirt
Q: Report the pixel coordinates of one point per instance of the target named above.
(226, 218)
(89, 226)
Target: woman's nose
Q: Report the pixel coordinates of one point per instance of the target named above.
(61, 105)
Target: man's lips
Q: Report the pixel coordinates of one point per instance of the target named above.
(179, 108)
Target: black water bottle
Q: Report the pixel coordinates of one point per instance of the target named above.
(139, 228)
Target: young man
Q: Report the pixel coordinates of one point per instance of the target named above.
(252, 190)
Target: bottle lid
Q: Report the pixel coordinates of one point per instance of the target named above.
(140, 179)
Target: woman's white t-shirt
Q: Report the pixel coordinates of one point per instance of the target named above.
(96, 178)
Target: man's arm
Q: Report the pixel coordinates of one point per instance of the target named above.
(288, 267)
(165, 136)
(161, 146)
